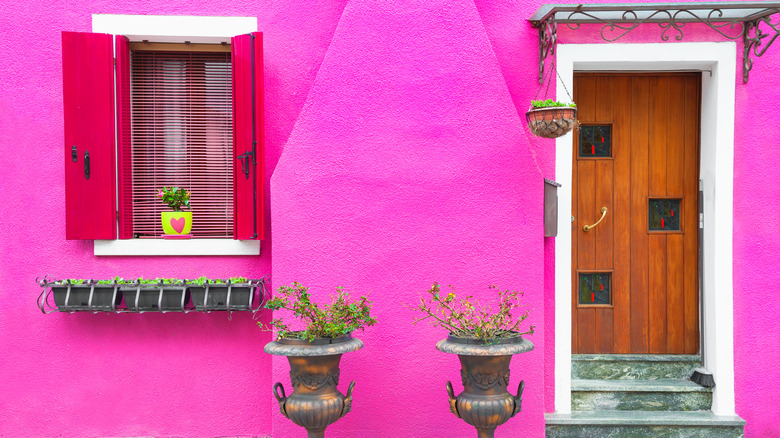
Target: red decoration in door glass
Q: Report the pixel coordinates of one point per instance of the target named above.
(592, 297)
(595, 141)
(661, 215)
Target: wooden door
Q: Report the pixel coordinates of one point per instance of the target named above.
(635, 274)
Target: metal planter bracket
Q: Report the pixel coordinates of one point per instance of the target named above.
(139, 298)
(750, 21)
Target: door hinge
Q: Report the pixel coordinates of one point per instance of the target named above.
(701, 204)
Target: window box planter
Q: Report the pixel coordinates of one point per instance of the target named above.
(158, 297)
(223, 296)
(86, 297)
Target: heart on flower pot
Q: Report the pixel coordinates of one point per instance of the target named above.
(178, 224)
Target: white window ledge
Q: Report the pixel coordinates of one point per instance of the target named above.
(163, 247)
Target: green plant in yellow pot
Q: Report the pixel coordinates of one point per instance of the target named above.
(176, 222)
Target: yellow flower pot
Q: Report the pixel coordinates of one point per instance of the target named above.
(177, 222)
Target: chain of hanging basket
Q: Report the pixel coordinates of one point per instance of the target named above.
(551, 121)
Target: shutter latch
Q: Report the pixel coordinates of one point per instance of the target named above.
(244, 158)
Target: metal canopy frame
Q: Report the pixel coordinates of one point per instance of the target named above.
(750, 21)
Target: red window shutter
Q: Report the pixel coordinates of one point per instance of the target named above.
(88, 95)
(248, 137)
(124, 139)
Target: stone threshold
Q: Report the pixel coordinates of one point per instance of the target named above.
(644, 418)
(637, 386)
(637, 357)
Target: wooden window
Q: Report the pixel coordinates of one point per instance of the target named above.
(182, 135)
(192, 118)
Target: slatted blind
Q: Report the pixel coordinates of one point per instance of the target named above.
(182, 136)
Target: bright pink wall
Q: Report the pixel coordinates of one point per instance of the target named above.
(757, 246)
(408, 165)
(408, 162)
(756, 237)
(126, 375)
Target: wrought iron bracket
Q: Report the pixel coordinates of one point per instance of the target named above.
(749, 21)
(754, 42)
(548, 39)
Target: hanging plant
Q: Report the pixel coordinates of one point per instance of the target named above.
(551, 118)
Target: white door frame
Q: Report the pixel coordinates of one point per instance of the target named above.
(717, 174)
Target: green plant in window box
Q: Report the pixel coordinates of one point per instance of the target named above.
(144, 294)
(235, 293)
(176, 222)
(314, 349)
(484, 338)
(551, 118)
(86, 295)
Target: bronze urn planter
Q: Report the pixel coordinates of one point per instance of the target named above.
(485, 402)
(315, 402)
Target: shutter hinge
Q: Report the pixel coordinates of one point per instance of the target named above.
(114, 61)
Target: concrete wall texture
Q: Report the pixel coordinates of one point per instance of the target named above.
(397, 155)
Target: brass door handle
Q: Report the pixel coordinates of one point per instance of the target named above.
(603, 215)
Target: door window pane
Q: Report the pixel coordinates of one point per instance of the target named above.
(595, 288)
(664, 215)
(595, 141)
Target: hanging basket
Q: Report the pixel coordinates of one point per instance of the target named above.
(551, 122)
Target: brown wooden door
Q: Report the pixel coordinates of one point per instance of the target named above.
(635, 275)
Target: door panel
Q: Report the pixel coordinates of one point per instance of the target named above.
(653, 303)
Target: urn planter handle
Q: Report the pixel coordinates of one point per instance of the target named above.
(519, 398)
(453, 399)
(282, 399)
(348, 400)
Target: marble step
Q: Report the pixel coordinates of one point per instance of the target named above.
(633, 366)
(639, 395)
(622, 424)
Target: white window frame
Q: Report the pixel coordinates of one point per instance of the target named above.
(174, 29)
(716, 173)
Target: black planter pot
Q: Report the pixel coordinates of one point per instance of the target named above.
(316, 401)
(104, 297)
(485, 402)
(241, 297)
(148, 298)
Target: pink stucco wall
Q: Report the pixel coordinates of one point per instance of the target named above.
(757, 247)
(126, 375)
(408, 165)
(402, 160)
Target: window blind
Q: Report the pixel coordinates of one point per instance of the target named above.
(182, 136)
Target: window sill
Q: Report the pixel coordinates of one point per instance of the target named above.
(162, 247)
